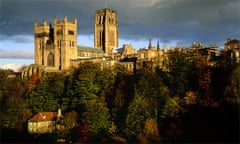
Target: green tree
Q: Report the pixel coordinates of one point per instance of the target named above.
(70, 122)
(15, 113)
(182, 73)
(171, 108)
(138, 112)
(98, 118)
(70, 119)
(120, 97)
(205, 89)
(83, 86)
(14, 110)
(104, 79)
(150, 86)
(232, 90)
(46, 95)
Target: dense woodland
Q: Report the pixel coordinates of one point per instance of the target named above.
(192, 102)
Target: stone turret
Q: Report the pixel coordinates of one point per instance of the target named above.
(150, 44)
(59, 113)
(158, 46)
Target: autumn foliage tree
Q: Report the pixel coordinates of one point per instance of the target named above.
(205, 89)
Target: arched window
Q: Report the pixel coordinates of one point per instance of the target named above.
(50, 60)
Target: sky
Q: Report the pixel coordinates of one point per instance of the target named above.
(172, 22)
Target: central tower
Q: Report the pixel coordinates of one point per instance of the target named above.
(106, 30)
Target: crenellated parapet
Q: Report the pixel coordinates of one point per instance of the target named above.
(65, 20)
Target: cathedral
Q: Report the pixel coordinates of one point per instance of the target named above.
(56, 47)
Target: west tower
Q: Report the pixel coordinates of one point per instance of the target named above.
(106, 30)
(56, 45)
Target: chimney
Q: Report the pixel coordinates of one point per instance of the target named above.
(158, 46)
(59, 114)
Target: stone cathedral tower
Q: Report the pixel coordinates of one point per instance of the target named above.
(55, 45)
(106, 30)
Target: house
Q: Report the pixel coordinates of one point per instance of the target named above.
(44, 122)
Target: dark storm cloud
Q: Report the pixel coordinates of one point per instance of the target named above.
(184, 21)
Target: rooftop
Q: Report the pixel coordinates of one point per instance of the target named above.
(90, 49)
(44, 116)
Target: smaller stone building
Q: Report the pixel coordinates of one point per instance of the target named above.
(44, 122)
(150, 54)
(232, 47)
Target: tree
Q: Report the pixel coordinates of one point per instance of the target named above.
(181, 74)
(70, 119)
(232, 90)
(67, 124)
(83, 86)
(97, 116)
(46, 95)
(150, 86)
(171, 108)
(151, 130)
(170, 117)
(120, 97)
(15, 113)
(205, 89)
(138, 112)
(14, 110)
(104, 79)
(34, 79)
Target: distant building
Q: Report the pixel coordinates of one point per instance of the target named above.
(204, 51)
(232, 47)
(153, 56)
(57, 50)
(124, 52)
(56, 47)
(151, 53)
(45, 122)
(232, 44)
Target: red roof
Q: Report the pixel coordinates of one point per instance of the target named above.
(44, 116)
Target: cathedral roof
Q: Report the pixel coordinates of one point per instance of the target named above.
(90, 49)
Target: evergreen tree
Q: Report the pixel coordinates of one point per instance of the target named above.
(14, 110)
(97, 116)
(138, 112)
(46, 95)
